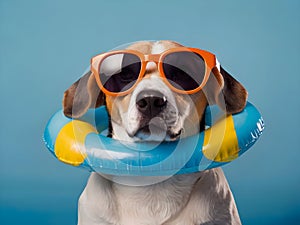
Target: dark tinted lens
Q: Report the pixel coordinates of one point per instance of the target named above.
(184, 70)
(119, 72)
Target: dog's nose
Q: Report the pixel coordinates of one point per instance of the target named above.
(151, 103)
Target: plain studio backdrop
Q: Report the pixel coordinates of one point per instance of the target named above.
(46, 45)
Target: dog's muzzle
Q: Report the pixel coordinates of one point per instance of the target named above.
(153, 107)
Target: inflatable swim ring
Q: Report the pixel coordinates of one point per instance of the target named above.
(82, 143)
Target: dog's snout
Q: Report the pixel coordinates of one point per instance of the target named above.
(151, 103)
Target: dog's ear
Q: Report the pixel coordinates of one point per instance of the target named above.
(222, 89)
(81, 96)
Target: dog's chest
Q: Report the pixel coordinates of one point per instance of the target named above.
(154, 204)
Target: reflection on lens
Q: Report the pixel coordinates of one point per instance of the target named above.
(119, 72)
(184, 70)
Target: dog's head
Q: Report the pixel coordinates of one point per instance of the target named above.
(152, 110)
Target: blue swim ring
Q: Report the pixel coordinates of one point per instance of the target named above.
(83, 143)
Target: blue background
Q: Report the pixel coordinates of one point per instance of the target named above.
(46, 45)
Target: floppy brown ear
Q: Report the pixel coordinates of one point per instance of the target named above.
(222, 89)
(81, 96)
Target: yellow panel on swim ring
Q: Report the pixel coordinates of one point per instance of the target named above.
(69, 144)
(220, 141)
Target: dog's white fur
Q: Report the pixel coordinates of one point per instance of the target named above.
(192, 199)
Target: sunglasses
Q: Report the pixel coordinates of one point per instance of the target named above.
(184, 70)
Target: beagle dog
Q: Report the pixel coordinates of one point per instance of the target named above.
(150, 95)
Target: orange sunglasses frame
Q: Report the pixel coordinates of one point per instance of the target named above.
(209, 59)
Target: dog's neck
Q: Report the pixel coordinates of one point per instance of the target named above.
(155, 203)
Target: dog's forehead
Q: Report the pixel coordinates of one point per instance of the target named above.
(148, 47)
(153, 47)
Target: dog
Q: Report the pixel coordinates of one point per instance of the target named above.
(151, 109)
